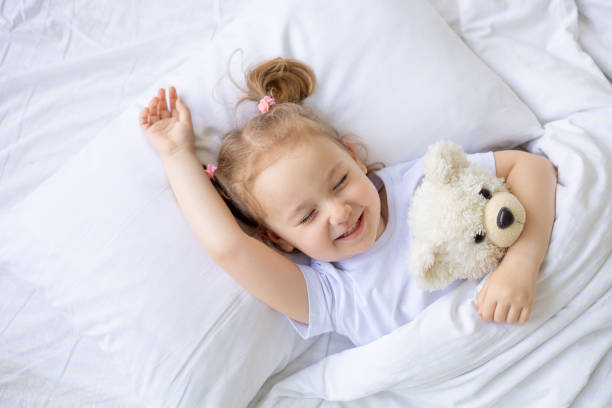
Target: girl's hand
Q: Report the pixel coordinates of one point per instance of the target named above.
(508, 294)
(168, 129)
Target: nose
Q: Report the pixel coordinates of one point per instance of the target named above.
(339, 212)
(505, 218)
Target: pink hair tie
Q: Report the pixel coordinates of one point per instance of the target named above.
(265, 103)
(210, 170)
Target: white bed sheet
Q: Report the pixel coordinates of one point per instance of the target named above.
(44, 362)
(65, 70)
(595, 32)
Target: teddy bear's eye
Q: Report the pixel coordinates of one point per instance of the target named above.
(478, 238)
(485, 193)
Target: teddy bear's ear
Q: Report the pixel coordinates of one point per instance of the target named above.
(442, 160)
(421, 259)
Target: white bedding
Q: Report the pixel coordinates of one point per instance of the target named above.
(595, 33)
(68, 69)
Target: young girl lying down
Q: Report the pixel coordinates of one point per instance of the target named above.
(304, 187)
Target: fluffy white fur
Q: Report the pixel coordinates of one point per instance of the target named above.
(446, 214)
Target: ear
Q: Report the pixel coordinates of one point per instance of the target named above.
(272, 237)
(354, 155)
(421, 260)
(442, 160)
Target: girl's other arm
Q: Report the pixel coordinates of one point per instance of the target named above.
(267, 275)
(533, 180)
(509, 292)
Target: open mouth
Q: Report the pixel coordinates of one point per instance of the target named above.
(354, 231)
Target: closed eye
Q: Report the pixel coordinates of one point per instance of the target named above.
(308, 217)
(311, 214)
(341, 181)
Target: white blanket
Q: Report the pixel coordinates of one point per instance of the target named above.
(450, 355)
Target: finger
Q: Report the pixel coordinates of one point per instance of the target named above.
(144, 118)
(184, 114)
(153, 116)
(514, 314)
(172, 95)
(481, 297)
(163, 106)
(501, 312)
(161, 102)
(525, 314)
(161, 95)
(488, 311)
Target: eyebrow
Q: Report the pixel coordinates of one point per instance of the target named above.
(297, 209)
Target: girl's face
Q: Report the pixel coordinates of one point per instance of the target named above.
(318, 199)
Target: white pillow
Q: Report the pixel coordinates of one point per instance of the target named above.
(107, 242)
(391, 72)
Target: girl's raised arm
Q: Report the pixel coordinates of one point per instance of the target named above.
(267, 275)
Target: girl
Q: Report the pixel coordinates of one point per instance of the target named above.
(293, 176)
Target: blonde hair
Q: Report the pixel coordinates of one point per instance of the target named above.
(247, 151)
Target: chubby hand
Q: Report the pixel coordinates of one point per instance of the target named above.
(168, 127)
(508, 294)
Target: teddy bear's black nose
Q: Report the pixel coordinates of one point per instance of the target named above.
(505, 218)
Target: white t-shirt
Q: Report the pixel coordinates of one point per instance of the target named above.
(371, 294)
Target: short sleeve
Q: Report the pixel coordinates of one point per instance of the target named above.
(486, 160)
(320, 303)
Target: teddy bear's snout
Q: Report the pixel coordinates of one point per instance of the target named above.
(504, 218)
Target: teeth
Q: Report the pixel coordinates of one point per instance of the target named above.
(352, 229)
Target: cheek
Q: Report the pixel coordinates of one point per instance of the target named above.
(316, 234)
(362, 189)
(310, 238)
(315, 243)
(373, 198)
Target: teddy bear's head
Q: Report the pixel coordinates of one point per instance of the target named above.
(462, 218)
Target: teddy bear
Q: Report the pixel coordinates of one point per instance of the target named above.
(462, 219)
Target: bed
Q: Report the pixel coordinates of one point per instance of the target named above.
(106, 298)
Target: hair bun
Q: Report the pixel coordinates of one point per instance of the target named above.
(284, 79)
